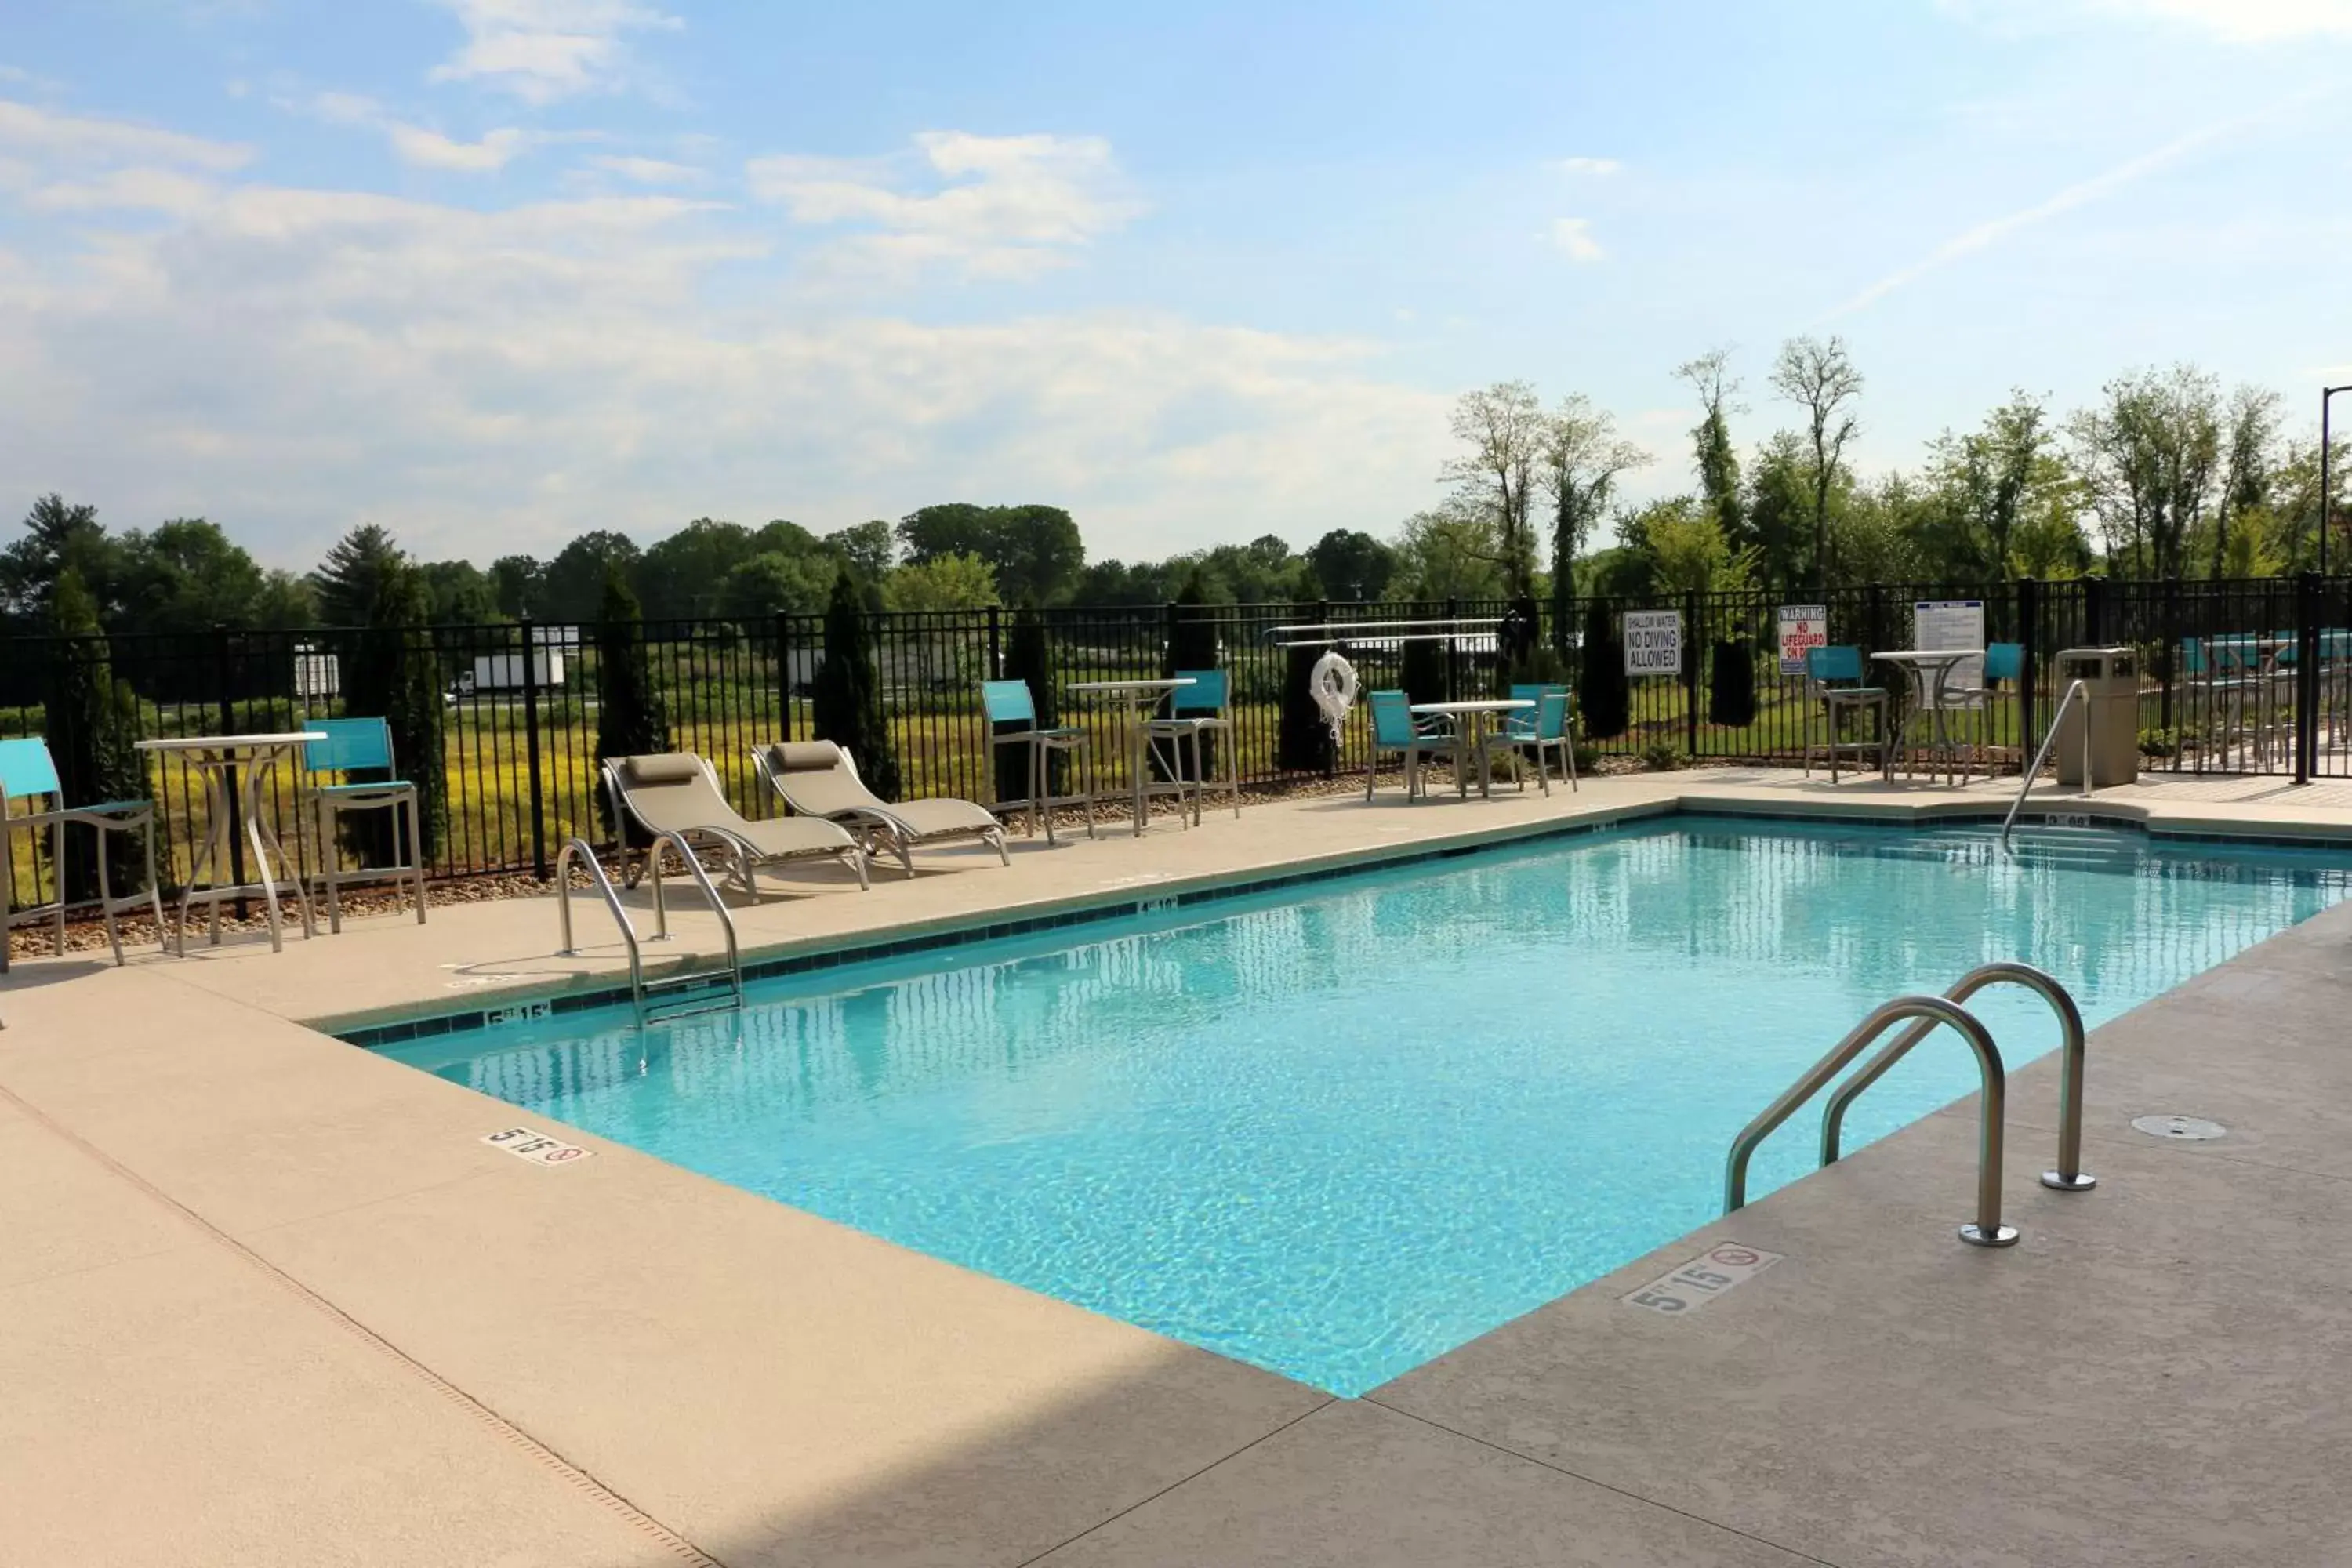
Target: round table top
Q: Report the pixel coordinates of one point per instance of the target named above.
(1169, 684)
(1925, 655)
(1481, 705)
(230, 743)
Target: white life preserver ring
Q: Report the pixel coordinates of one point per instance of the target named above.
(1333, 684)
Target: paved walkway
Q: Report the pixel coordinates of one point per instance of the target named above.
(267, 1299)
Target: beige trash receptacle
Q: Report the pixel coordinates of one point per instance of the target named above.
(2109, 706)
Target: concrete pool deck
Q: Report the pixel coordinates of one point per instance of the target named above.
(266, 1297)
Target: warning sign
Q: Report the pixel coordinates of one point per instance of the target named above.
(1653, 642)
(1804, 627)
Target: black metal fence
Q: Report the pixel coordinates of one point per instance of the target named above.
(2237, 677)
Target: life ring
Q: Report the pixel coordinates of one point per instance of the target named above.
(1333, 684)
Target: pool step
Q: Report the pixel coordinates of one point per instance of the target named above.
(683, 996)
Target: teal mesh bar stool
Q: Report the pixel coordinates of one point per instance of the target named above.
(27, 773)
(1008, 702)
(362, 745)
(1204, 705)
(1834, 688)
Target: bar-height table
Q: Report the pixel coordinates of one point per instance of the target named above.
(232, 806)
(1140, 696)
(1930, 672)
(1470, 725)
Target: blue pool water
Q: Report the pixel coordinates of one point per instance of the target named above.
(1339, 1130)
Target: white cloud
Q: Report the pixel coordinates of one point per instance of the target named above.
(76, 141)
(542, 50)
(1602, 168)
(650, 171)
(997, 207)
(1573, 239)
(421, 146)
(2233, 21)
(291, 362)
(1986, 235)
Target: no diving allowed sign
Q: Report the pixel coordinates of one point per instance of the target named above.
(1653, 642)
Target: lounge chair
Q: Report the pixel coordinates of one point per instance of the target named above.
(818, 779)
(677, 792)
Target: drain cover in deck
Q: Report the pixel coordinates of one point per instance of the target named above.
(2185, 1129)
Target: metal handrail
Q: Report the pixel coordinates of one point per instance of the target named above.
(1987, 1230)
(710, 894)
(2070, 1177)
(2074, 689)
(583, 851)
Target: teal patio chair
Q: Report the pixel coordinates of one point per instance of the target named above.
(1010, 702)
(1203, 705)
(361, 745)
(1523, 720)
(1547, 728)
(26, 773)
(1834, 688)
(1394, 730)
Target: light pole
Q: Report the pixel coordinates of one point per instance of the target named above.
(2325, 394)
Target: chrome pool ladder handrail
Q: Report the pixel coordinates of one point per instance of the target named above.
(1987, 1230)
(581, 850)
(2074, 689)
(2070, 1177)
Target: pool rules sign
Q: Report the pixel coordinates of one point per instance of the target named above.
(1653, 642)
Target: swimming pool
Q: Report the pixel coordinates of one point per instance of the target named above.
(1337, 1129)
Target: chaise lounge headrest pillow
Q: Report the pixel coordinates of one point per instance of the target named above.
(669, 767)
(805, 756)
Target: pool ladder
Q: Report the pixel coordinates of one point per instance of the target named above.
(645, 994)
(1927, 1013)
(2033, 770)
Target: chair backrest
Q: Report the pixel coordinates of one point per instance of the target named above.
(350, 743)
(816, 778)
(1007, 702)
(1837, 661)
(671, 790)
(1392, 720)
(26, 768)
(1551, 713)
(2192, 656)
(1205, 695)
(1536, 692)
(2004, 660)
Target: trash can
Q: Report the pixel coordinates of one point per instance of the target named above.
(2109, 706)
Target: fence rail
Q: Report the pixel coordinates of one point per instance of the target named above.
(2239, 677)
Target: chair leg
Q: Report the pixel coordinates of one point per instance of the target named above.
(996, 838)
(105, 895)
(330, 868)
(57, 865)
(1371, 766)
(417, 854)
(1093, 781)
(154, 886)
(1040, 770)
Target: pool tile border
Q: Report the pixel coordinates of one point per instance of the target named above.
(403, 1030)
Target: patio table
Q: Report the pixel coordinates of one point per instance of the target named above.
(1470, 724)
(1141, 698)
(1929, 673)
(233, 807)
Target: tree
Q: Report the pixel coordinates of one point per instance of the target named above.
(1821, 378)
(1350, 564)
(1718, 460)
(1583, 458)
(351, 580)
(1688, 551)
(1452, 552)
(2149, 455)
(848, 696)
(187, 576)
(683, 576)
(1984, 483)
(1036, 550)
(942, 583)
(518, 583)
(574, 586)
(57, 538)
(632, 720)
(1191, 645)
(390, 671)
(91, 722)
(458, 594)
(1302, 743)
(1602, 696)
(773, 582)
(867, 549)
(1029, 659)
(2254, 421)
(1503, 427)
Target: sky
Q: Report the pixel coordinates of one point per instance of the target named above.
(495, 272)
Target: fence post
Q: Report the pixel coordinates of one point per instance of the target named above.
(2307, 674)
(995, 644)
(531, 655)
(2029, 661)
(222, 689)
(1453, 648)
(784, 674)
(1693, 655)
(1331, 751)
(2095, 612)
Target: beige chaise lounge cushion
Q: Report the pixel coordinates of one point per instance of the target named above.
(671, 792)
(817, 779)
